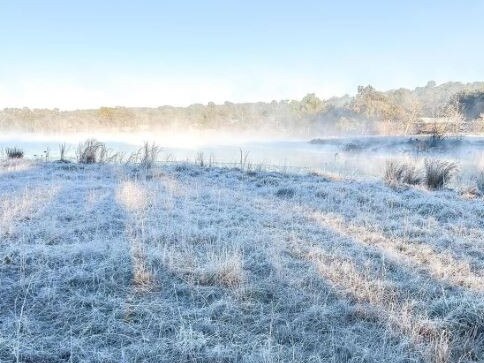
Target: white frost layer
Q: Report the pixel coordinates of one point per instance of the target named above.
(182, 263)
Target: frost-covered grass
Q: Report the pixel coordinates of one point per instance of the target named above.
(399, 172)
(110, 263)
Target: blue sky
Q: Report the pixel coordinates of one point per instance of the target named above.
(76, 54)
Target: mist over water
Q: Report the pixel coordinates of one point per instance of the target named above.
(344, 156)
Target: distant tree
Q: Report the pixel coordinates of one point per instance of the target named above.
(470, 104)
(374, 104)
(208, 116)
(451, 114)
(311, 104)
(116, 116)
(383, 108)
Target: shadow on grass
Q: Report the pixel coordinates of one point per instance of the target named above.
(380, 276)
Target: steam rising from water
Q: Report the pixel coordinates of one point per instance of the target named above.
(363, 157)
(171, 139)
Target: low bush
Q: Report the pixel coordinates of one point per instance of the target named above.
(436, 139)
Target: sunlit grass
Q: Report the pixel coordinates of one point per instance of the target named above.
(190, 263)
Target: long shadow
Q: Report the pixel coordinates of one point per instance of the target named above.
(67, 271)
(82, 290)
(289, 306)
(427, 214)
(308, 208)
(409, 283)
(453, 224)
(368, 261)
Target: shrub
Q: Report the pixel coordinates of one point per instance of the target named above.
(91, 151)
(434, 140)
(438, 173)
(14, 153)
(398, 172)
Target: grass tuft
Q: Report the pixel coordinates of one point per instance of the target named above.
(224, 270)
(401, 173)
(463, 322)
(63, 148)
(150, 155)
(14, 153)
(438, 173)
(146, 156)
(91, 152)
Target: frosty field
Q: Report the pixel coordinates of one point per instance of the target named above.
(182, 263)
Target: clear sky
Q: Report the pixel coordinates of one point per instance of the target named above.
(87, 53)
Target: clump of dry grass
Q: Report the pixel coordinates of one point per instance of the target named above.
(463, 323)
(200, 159)
(225, 269)
(438, 173)
(470, 192)
(14, 153)
(63, 148)
(435, 174)
(213, 268)
(91, 152)
(398, 172)
(150, 154)
(146, 156)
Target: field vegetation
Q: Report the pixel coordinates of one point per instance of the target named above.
(109, 262)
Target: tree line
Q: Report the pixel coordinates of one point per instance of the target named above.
(368, 111)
